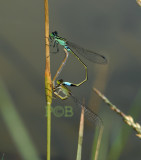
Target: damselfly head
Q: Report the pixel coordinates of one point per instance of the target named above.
(59, 81)
(53, 35)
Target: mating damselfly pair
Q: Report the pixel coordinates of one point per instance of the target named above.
(71, 48)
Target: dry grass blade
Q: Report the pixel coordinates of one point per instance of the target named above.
(127, 118)
(98, 143)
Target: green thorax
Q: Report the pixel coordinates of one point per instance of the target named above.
(65, 90)
(61, 41)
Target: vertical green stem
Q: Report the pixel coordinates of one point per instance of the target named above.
(48, 82)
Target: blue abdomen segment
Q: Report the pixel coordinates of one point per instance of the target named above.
(67, 48)
(67, 83)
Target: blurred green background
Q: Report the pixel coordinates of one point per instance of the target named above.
(111, 28)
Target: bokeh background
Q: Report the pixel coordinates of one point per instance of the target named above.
(111, 28)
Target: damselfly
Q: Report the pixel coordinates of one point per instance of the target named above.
(63, 93)
(93, 118)
(74, 49)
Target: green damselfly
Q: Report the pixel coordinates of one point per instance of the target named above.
(74, 49)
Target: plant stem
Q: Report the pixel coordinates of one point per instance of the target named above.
(98, 142)
(48, 81)
(80, 138)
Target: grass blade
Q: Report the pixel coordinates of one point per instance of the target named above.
(80, 138)
(16, 126)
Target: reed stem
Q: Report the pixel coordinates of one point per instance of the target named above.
(48, 82)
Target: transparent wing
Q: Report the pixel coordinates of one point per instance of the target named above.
(91, 116)
(89, 55)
